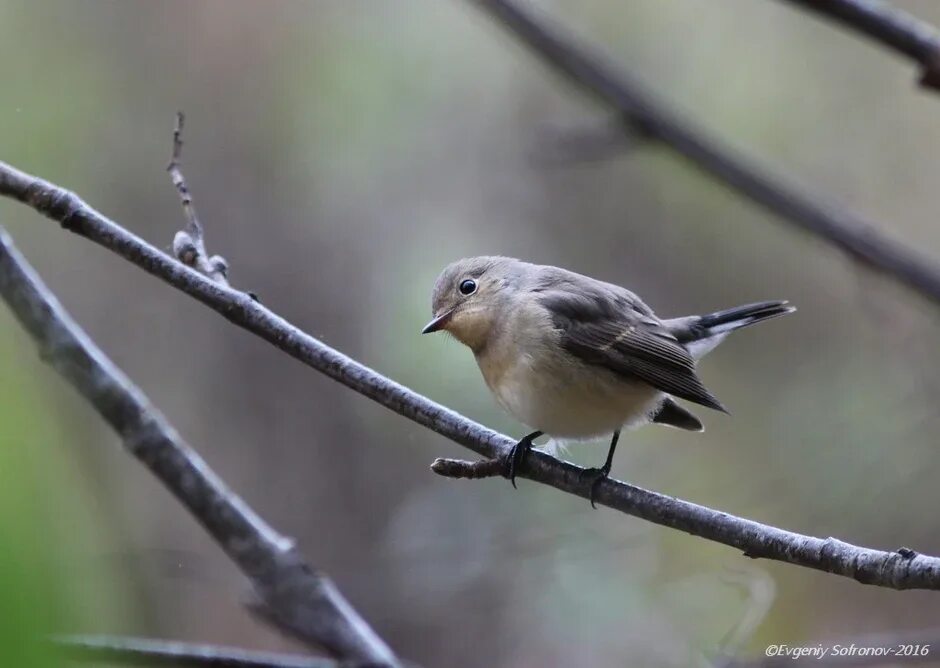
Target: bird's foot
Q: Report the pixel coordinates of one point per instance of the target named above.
(517, 455)
(595, 475)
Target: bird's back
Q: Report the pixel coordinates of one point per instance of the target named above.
(542, 385)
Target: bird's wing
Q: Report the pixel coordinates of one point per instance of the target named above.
(607, 326)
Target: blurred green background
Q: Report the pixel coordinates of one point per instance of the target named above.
(341, 153)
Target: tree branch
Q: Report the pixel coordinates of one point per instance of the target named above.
(301, 600)
(639, 111)
(893, 27)
(176, 654)
(461, 468)
(901, 569)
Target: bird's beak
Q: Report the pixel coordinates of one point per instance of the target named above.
(438, 323)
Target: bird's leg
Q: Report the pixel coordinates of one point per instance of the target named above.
(516, 456)
(597, 475)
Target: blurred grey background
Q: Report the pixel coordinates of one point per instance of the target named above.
(341, 153)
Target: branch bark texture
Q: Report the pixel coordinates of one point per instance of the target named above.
(640, 112)
(299, 599)
(900, 569)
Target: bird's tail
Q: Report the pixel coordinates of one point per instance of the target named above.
(701, 333)
(721, 322)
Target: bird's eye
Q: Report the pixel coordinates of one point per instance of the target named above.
(467, 287)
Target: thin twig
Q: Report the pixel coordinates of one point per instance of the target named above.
(304, 602)
(893, 27)
(640, 112)
(900, 569)
(177, 654)
(461, 468)
(189, 244)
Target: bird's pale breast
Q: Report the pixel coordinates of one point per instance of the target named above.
(548, 389)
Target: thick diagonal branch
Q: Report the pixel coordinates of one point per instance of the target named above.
(299, 599)
(639, 111)
(901, 569)
(893, 27)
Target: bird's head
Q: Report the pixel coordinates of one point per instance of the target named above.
(469, 296)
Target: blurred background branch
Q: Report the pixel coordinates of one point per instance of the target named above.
(761, 593)
(641, 113)
(893, 27)
(300, 600)
(900, 569)
(147, 652)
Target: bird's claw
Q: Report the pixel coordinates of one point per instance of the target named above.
(595, 475)
(515, 458)
(517, 455)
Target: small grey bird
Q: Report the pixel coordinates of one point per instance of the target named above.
(574, 357)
